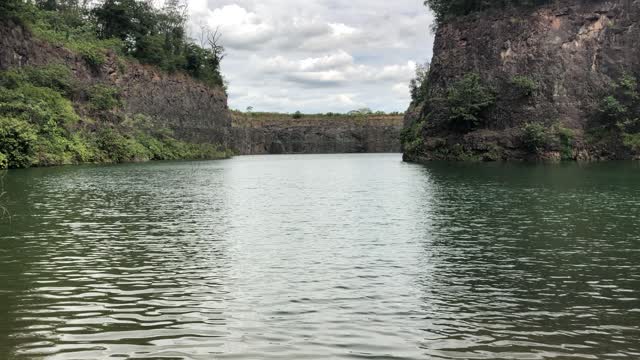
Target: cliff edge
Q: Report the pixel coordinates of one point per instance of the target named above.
(552, 82)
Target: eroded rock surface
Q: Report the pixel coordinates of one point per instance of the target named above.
(574, 51)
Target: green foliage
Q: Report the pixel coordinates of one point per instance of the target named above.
(41, 106)
(39, 126)
(525, 85)
(619, 113)
(611, 109)
(92, 53)
(158, 37)
(121, 148)
(17, 142)
(4, 161)
(535, 137)
(567, 139)
(628, 85)
(411, 138)
(360, 112)
(297, 115)
(466, 101)
(55, 77)
(134, 28)
(103, 97)
(632, 141)
(450, 8)
(11, 8)
(417, 85)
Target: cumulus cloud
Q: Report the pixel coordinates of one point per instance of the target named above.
(318, 55)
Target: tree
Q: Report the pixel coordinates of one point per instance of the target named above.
(417, 85)
(466, 101)
(361, 112)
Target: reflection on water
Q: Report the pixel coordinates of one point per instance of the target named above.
(318, 257)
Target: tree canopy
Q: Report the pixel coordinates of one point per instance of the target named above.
(448, 8)
(152, 35)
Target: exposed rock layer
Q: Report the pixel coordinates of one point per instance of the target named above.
(312, 134)
(198, 113)
(193, 110)
(574, 51)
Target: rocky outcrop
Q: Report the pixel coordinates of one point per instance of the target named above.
(194, 111)
(572, 51)
(316, 134)
(198, 113)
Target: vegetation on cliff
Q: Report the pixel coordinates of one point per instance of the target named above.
(444, 9)
(501, 86)
(50, 117)
(44, 122)
(131, 28)
(618, 115)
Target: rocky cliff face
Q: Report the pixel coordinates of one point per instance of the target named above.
(195, 112)
(284, 135)
(569, 55)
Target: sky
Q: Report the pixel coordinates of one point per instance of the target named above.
(318, 56)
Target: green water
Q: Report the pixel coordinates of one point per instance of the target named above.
(321, 257)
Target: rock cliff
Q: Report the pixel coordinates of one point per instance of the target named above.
(280, 134)
(194, 111)
(550, 66)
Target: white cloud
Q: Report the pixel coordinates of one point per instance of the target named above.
(318, 55)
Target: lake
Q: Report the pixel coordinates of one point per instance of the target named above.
(321, 257)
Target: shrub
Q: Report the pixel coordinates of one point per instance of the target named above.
(4, 161)
(103, 97)
(611, 109)
(119, 148)
(411, 138)
(55, 77)
(92, 54)
(417, 85)
(297, 115)
(631, 141)
(524, 85)
(467, 99)
(535, 137)
(17, 142)
(566, 137)
(37, 105)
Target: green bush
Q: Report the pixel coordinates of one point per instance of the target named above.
(467, 99)
(411, 138)
(55, 77)
(17, 142)
(37, 105)
(631, 141)
(535, 137)
(567, 139)
(93, 54)
(297, 115)
(4, 161)
(524, 85)
(120, 148)
(103, 97)
(612, 109)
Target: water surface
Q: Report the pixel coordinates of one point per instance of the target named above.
(321, 257)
